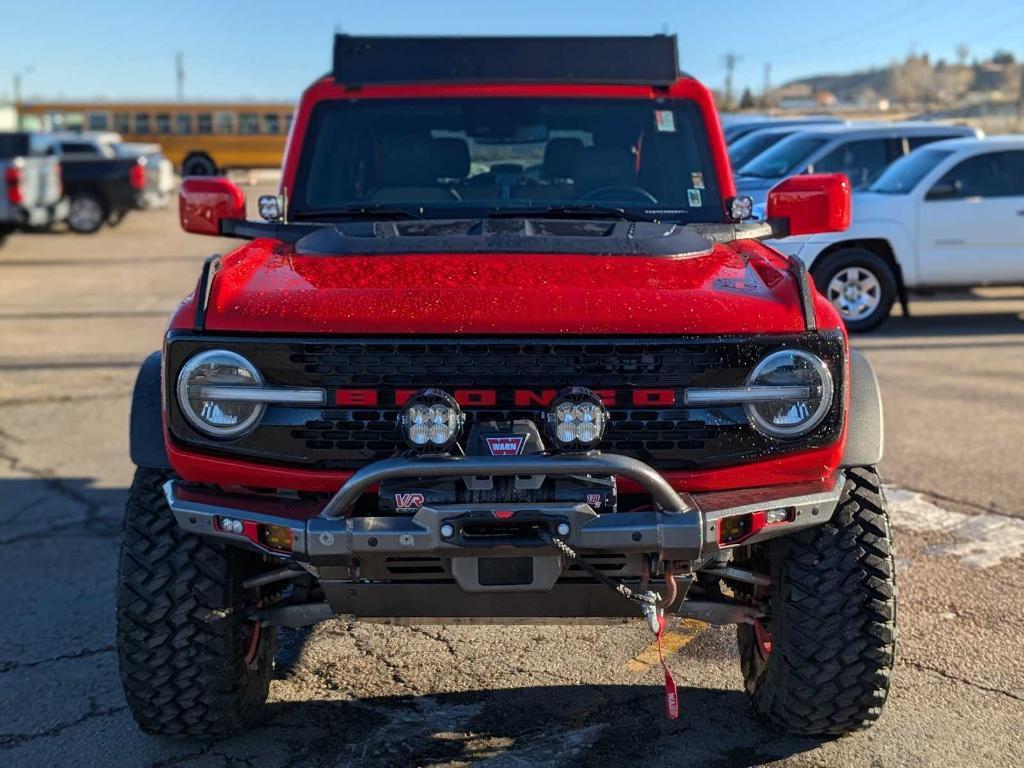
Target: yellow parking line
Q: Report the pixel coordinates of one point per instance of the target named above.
(683, 633)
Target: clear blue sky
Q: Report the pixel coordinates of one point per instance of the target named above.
(263, 49)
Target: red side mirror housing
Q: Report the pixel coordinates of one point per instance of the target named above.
(809, 204)
(204, 202)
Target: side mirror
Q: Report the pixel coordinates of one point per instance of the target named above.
(809, 204)
(204, 202)
(944, 190)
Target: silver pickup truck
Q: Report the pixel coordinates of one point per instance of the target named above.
(31, 194)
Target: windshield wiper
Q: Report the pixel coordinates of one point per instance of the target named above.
(362, 212)
(568, 212)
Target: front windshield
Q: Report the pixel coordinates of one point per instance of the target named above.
(446, 158)
(907, 172)
(749, 147)
(787, 157)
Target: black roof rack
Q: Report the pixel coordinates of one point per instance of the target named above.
(648, 60)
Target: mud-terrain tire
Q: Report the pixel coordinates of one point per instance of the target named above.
(832, 620)
(183, 674)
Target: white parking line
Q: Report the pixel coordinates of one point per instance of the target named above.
(983, 540)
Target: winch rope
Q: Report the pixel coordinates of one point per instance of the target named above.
(648, 602)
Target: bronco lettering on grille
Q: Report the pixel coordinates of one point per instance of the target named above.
(520, 398)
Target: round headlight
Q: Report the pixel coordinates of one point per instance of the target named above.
(802, 409)
(216, 416)
(576, 419)
(431, 420)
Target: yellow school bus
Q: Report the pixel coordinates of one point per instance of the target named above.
(199, 138)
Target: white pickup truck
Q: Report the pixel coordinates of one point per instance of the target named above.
(30, 187)
(950, 214)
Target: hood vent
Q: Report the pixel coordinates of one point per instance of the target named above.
(516, 235)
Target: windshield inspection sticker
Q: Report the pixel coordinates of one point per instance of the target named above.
(665, 120)
(694, 198)
(697, 180)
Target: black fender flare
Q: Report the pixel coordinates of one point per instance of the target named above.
(146, 433)
(865, 432)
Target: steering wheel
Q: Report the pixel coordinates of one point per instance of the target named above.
(607, 193)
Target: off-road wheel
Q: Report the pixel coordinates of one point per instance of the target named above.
(860, 284)
(187, 668)
(820, 662)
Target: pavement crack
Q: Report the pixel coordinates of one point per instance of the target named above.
(85, 653)
(921, 667)
(437, 637)
(990, 509)
(92, 712)
(92, 519)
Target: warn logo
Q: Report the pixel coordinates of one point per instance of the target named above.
(505, 445)
(408, 500)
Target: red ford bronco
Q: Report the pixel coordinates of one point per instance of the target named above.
(506, 347)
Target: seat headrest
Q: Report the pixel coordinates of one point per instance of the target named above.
(560, 157)
(454, 157)
(410, 160)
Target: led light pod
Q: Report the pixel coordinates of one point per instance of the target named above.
(576, 419)
(431, 421)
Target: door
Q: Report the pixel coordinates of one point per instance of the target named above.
(862, 161)
(971, 223)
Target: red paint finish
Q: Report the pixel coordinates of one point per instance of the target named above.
(326, 89)
(807, 466)
(740, 288)
(204, 202)
(265, 287)
(814, 203)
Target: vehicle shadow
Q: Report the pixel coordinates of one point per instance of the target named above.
(967, 316)
(586, 725)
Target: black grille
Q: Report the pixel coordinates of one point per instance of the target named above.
(668, 438)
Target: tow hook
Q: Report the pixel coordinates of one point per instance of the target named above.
(650, 607)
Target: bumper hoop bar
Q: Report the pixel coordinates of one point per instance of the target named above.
(582, 464)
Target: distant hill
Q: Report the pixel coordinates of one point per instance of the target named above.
(916, 81)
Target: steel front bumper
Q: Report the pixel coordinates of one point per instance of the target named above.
(681, 528)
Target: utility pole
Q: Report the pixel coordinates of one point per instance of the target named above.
(767, 84)
(16, 90)
(730, 60)
(179, 74)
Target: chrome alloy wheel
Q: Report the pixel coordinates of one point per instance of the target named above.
(855, 292)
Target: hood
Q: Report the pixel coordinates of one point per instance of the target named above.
(873, 206)
(272, 287)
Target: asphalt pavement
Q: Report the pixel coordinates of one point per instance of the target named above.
(79, 313)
